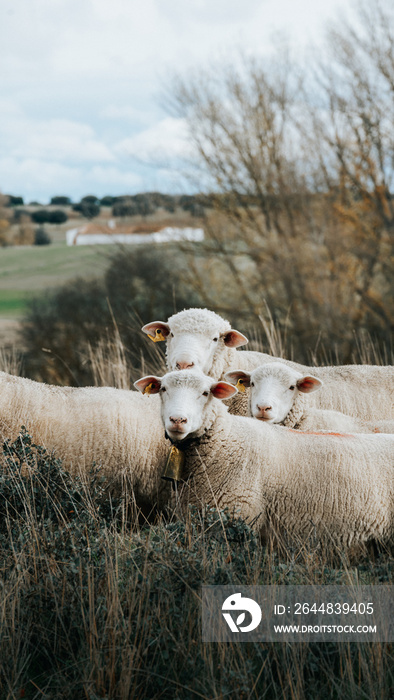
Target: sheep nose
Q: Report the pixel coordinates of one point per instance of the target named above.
(184, 365)
(263, 410)
(178, 421)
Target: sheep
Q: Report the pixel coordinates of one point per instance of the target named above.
(335, 486)
(202, 339)
(112, 427)
(277, 395)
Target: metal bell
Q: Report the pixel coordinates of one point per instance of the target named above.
(174, 465)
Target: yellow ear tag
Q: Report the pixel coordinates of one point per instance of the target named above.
(157, 337)
(240, 386)
(148, 388)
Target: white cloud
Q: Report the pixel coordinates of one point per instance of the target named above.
(79, 80)
(113, 178)
(126, 112)
(64, 140)
(34, 179)
(168, 139)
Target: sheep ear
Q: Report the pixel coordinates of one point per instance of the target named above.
(148, 385)
(156, 331)
(234, 339)
(239, 378)
(308, 384)
(223, 390)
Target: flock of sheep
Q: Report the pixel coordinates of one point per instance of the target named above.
(309, 449)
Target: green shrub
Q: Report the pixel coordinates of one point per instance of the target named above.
(64, 322)
(41, 237)
(107, 201)
(41, 216)
(92, 605)
(57, 217)
(61, 200)
(14, 201)
(140, 285)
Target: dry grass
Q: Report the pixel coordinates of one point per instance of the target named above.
(96, 601)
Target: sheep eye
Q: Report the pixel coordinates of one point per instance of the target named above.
(215, 340)
(205, 393)
(172, 335)
(251, 383)
(163, 388)
(292, 387)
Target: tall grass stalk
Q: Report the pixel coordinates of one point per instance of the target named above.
(97, 603)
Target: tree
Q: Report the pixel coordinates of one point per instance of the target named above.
(107, 201)
(14, 201)
(88, 206)
(353, 134)
(61, 200)
(41, 216)
(124, 206)
(301, 181)
(89, 210)
(57, 217)
(41, 237)
(90, 199)
(240, 119)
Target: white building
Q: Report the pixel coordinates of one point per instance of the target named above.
(92, 234)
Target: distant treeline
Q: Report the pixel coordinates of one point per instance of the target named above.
(142, 204)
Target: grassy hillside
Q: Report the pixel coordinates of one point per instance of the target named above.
(28, 270)
(31, 268)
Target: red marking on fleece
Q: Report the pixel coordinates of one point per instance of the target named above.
(309, 432)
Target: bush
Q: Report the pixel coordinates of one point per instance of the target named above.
(61, 200)
(88, 206)
(139, 285)
(89, 199)
(88, 209)
(64, 322)
(40, 217)
(24, 234)
(44, 216)
(124, 207)
(14, 201)
(21, 215)
(94, 606)
(107, 201)
(57, 217)
(41, 237)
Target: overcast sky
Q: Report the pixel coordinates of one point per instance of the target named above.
(80, 83)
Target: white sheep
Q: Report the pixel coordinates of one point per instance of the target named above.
(115, 428)
(339, 487)
(202, 339)
(277, 394)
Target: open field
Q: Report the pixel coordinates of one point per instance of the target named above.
(28, 270)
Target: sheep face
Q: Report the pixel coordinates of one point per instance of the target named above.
(195, 338)
(185, 400)
(273, 389)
